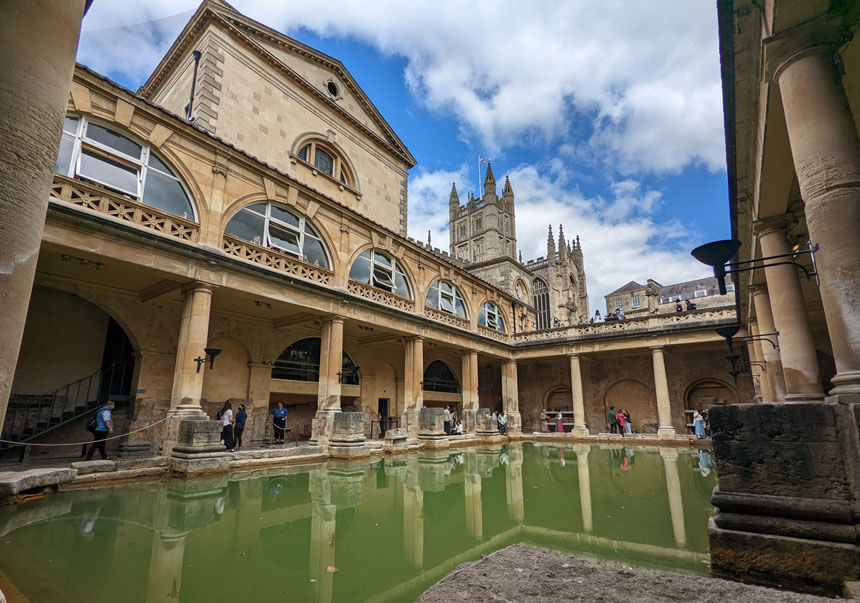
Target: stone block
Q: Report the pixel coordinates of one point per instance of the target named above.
(432, 421)
(198, 448)
(142, 463)
(87, 467)
(348, 427)
(13, 483)
(486, 426)
(396, 440)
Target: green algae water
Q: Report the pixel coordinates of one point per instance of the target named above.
(383, 529)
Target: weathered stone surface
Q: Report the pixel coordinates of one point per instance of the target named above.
(432, 421)
(86, 467)
(142, 463)
(396, 441)
(14, 482)
(486, 426)
(198, 437)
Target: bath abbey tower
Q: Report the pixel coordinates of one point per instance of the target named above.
(484, 236)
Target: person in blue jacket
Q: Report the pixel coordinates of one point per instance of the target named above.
(279, 422)
(239, 426)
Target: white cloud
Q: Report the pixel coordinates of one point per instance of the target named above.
(620, 239)
(641, 77)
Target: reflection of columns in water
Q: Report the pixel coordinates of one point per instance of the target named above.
(323, 524)
(165, 567)
(413, 515)
(673, 488)
(584, 475)
(514, 482)
(472, 491)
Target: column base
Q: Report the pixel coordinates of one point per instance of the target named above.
(666, 433)
(515, 423)
(847, 382)
(321, 427)
(197, 448)
(803, 398)
(579, 431)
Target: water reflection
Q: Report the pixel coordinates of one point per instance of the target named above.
(380, 529)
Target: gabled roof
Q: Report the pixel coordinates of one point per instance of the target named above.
(256, 36)
(631, 286)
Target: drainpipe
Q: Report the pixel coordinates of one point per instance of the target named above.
(189, 106)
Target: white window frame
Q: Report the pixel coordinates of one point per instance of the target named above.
(300, 232)
(384, 266)
(491, 317)
(451, 297)
(619, 303)
(637, 301)
(700, 293)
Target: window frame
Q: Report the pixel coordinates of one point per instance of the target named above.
(636, 302)
(619, 303)
(341, 172)
(452, 297)
(540, 299)
(391, 270)
(700, 293)
(491, 317)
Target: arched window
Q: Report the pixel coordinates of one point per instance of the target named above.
(270, 225)
(440, 378)
(541, 303)
(95, 153)
(301, 362)
(490, 317)
(326, 160)
(443, 295)
(378, 269)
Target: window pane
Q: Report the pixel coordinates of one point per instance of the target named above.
(283, 238)
(446, 303)
(382, 278)
(284, 216)
(482, 316)
(259, 208)
(432, 299)
(113, 140)
(303, 152)
(360, 269)
(64, 155)
(459, 308)
(111, 173)
(401, 285)
(324, 162)
(159, 164)
(343, 177)
(382, 259)
(314, 253)
(70, 125)
(166, 193)
(446, 287)
(248, 226)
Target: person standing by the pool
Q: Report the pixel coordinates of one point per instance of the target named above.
(619, 418)
(447, 420)
(628, 425)
(279, 419)
(225, 415)
(613, 422)
(239, 426)
(559, 423)
(503, 422)
(699, 425)
(104, 426)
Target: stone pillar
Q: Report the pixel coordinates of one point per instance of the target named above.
(193, 337)
(773, 363)
(514, 483)
(584, 475)
(796, 347)
(431, 428)
(673, 489)
(764, 393)
(328, 394)
(826, 153)
(470, 390)
(347, 436)
(579, 426)
(511, 396)
(665, 429)
(38, 41)
(413, 392)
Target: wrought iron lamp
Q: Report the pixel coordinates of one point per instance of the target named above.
(210, 354)
(729, 332)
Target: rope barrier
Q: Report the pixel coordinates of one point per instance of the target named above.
(122, 435)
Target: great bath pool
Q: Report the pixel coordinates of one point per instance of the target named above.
(383, 529)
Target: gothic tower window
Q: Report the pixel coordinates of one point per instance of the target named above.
(541, 303)
(490, 317)
(380, 270)
(444, 295)
(95, 153)
(270, 225)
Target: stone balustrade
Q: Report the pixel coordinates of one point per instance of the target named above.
(104, 201)
(271, 258)
(494, 334)
(454, 321)
(651, 323)
(381, 297)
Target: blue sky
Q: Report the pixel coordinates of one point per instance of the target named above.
(607, 114)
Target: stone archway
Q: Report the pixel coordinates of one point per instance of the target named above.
(638, 400)
(705, 393)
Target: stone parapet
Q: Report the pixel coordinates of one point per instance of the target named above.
(347, 436)
(431, 431)
(198, 448)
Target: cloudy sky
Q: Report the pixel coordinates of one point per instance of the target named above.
(606, 114)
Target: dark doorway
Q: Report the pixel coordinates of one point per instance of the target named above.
(117, 365)
(383, 415)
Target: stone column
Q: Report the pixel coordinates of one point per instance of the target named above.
(328, 393)
(514, 483)
(413, 392)
(470, 390)
(665, 429)
(584, 475)
(796, 347)
(826, 153)
(579, 426)
(38, 41)
(193, 337)
(773, 363)
(511, 396)
(673, 489)
(763, 393)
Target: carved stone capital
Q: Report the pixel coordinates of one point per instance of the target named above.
(824, 35)
(781, 223)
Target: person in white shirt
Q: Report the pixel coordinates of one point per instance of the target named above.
(225, 415)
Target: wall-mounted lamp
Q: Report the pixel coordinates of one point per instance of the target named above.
(728, 333)
(718, 253)
(210, 357)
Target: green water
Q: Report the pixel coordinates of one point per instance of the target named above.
(384, 529)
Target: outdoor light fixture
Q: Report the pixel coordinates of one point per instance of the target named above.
(210, 357)
(729, 332)
(718, 253)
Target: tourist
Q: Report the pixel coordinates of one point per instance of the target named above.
(459, 428)
(620, 419)
(495, 418)
(597, 317)
(239, 426)
(503, 422)
(559, 423)
(447, 420)
(104, 426)
(628, 425)
(690, 305)
(225, 415)
(621, 315)
(678, 307)
(699, 425)
(613, 421)
(279, 422)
